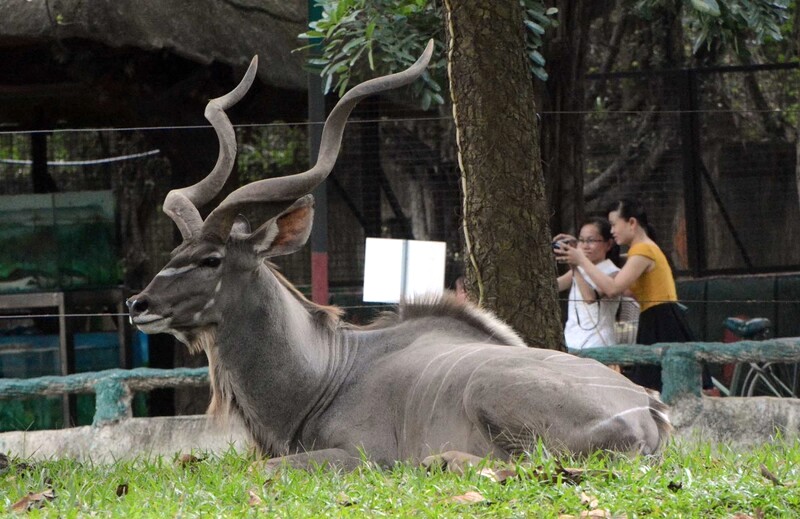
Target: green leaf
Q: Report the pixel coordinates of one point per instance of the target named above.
(310, 34)
(537, 58)
(371, 58)
(544, 20)
(535, 27)
(355, 42)
(426, 100)
(710, 7)
(357, 55)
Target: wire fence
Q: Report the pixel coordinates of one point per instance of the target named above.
(712, 154)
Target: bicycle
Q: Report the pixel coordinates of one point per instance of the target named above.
(759, 378)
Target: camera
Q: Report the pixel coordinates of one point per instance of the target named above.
(564, 242)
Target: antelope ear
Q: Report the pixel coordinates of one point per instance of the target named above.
(287, 232)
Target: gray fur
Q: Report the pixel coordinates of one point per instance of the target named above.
(437, 376)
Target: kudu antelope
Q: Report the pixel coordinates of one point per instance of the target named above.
(439, 375)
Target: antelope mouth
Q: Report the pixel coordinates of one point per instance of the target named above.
(151, 323)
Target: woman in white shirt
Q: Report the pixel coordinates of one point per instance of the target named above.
(590, 315)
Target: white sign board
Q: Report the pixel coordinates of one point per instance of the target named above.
(397, 269)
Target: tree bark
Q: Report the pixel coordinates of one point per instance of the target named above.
(509, 261)
(563, 105)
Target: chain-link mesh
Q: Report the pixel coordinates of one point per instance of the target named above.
(711, 154)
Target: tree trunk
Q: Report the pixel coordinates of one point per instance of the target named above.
(509, 261)
(795, 51)
(563, 104)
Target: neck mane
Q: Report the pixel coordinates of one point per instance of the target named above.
(448, 305)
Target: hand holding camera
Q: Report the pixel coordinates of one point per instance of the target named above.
(560, 245)
(565, 240)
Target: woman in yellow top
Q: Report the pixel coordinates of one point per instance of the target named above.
(648, 275)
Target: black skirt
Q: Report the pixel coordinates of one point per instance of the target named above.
(665, 322)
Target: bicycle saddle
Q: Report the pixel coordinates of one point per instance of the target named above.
(749, 328)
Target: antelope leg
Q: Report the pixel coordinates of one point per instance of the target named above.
(338, 459)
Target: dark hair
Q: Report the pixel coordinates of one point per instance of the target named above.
(604, 227)
(628, 208)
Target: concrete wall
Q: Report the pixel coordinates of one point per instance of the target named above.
(132, 438)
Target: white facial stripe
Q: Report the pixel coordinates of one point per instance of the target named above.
(209, 304)
(218, 287)
(171, 271)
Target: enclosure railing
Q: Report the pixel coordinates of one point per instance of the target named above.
(681, 365)
(113, 388)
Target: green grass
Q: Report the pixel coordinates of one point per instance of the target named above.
(697, 481)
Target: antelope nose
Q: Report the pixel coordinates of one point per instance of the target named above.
(137, 306)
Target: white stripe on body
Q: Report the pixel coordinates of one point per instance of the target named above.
(444, 379)
(608, 420)
(421, 376)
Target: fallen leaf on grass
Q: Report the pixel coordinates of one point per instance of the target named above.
(588, 500)
(770, 476)
(468, 498)
(452, 461)
(122, 489)
(188, 460)
(7, 464)
(758, 514)
(575, 476)
(596, 513)
(569, 474)
(255, 499)
(32, 500)
(588, 513)
(499, 475)
(344, 500)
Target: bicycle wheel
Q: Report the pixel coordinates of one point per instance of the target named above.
(771, 379)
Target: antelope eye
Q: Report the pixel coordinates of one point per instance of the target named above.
(211, 262)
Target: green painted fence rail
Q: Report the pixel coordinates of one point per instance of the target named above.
(681, 365)
(113, 388)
